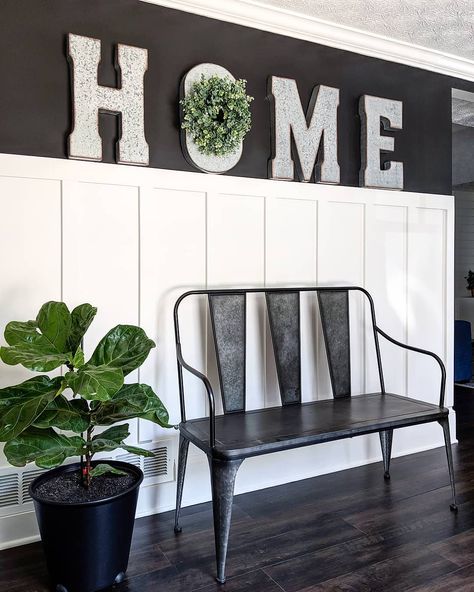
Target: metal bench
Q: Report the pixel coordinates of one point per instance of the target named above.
(238, 434)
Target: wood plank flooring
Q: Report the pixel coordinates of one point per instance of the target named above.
(348, 531)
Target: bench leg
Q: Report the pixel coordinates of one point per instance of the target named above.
(449, 454)
(386, 437)
(223, 475)
(182, 460)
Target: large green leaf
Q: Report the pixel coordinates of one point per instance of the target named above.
(125, 347)
(30, 348)
(18, 332)
(105, 469)
(46, 448)
(54, 322)
(95, 382)
(70, 415)
(78, 359)
(113, 438)
(132, 400)
(81, 318)
(50, 341)
(22, 404)
(110, 439)
(32, 358)
(138, 451)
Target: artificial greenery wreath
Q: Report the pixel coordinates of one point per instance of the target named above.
(216, 114)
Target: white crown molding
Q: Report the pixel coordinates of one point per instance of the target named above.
(252, 13)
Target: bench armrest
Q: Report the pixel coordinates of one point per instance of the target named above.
(425, 352)
(210, 394)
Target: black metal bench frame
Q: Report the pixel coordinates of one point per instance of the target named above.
(228, 317)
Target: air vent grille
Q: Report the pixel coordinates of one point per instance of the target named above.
(9, 490)
(28, 477)
(156, 466)
(14, 486)
(132, 459)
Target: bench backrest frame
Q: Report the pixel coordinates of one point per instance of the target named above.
(236, 403)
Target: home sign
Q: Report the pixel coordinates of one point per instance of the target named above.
(304, 144)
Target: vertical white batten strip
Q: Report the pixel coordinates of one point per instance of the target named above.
(205, 312)
(61, 237)
(315, 306)
(264, 324)
(139, 296)
(405, 353)
(364, 282)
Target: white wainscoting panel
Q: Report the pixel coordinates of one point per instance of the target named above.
(386, 280)
(426, 297)
(172, 260)
(290, 259)
(30, 246)
(100, 257)
(236, 257)
(30, 214)
(341, 261)
(130, 240)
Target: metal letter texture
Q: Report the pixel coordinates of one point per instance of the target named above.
(374, 111)
(314, 133)
(89, 99)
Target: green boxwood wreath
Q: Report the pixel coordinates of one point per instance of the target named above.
(216, 114)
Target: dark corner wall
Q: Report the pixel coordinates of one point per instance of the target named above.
(35, 102)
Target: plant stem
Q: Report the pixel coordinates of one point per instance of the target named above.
(88, 456)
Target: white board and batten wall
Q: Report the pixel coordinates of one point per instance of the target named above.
(129, 240)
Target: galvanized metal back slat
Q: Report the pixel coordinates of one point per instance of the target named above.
(284, 318)
(228, 312)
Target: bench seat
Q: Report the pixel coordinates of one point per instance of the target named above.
(251, 433)
(240, 433)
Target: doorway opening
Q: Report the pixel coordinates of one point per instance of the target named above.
(463, 192)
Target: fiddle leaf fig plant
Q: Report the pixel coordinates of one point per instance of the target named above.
(89, 395)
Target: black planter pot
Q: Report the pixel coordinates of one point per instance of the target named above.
(87, 545)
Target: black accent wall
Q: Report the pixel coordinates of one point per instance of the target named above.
(35, 101)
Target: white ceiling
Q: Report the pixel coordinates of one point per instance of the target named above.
(442, 25)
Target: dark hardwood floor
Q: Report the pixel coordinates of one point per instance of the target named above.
(348, 531)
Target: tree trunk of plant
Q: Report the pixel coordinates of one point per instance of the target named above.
(88, 468)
